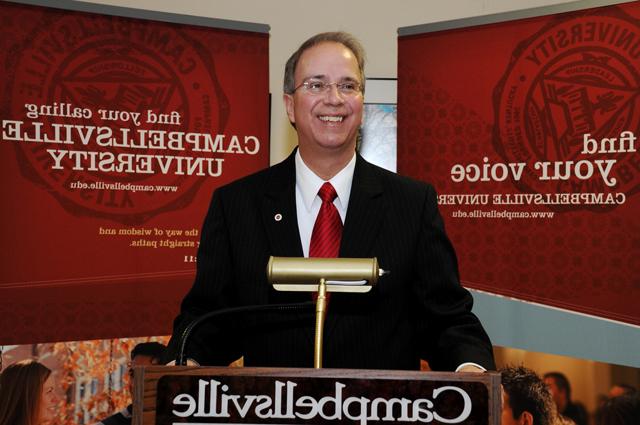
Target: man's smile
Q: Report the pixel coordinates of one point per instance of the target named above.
(331, 118)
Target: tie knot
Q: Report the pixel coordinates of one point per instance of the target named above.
(327, 192)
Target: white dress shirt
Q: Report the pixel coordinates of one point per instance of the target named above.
(308, 202)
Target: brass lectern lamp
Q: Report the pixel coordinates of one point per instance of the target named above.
(323, 275)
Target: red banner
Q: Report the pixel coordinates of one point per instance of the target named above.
(115, 132)
(528, 130)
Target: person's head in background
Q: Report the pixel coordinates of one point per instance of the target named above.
(622, 389)
(560, 389)
(27, 395)
(324, 99)
(620, 410)
(145, 354)
(526, 400)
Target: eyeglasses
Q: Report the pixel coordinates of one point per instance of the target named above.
(346, 88)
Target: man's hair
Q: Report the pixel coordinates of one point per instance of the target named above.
(346, 39)
(528, 393)
(561, 382)
(155, 350)
(621, 410)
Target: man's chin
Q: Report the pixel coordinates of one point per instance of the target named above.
(335, 149)
(327, 143)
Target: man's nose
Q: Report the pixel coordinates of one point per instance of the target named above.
(333, 95)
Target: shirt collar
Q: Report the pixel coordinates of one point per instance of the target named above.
(309, 183)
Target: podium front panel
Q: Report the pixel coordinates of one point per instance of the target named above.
(189, 395)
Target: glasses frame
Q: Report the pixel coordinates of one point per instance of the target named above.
(327, 86)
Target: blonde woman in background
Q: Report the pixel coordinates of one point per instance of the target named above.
(27, 395)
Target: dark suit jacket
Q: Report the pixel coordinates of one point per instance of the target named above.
(417, 311)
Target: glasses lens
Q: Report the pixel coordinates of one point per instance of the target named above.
(316, 86)
(349, 87)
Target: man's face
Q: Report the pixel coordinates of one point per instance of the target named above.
(616, 391)
(556, 394)
(507, 412)
(327, 123)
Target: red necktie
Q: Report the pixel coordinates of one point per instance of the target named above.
(327, 231)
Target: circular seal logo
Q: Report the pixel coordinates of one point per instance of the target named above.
(577, 76)
(110, 89)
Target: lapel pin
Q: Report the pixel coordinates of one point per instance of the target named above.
(277, 217)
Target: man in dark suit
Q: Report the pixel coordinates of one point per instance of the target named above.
(417, 311)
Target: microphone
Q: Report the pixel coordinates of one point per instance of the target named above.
(181, 359)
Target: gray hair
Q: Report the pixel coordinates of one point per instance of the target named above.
(344, 38)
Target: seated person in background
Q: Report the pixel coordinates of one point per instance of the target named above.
(561, 392)
(526, 400)
(620, 410)
(143, 354)
(27, 396)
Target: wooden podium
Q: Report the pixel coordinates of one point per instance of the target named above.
(168, 395)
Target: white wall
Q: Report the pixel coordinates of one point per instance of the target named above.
(374, 22)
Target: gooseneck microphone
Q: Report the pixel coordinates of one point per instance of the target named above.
(181, 359)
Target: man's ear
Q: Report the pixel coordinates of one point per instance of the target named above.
(526, 418)
(288, 104)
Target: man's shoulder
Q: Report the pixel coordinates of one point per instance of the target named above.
(576, 408)
(397, 183)
(264, 179)
(282, 174)
(119, 418)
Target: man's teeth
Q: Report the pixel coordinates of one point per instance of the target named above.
(331, 118)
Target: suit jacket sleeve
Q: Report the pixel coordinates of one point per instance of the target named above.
(212, 290)
(450, 333)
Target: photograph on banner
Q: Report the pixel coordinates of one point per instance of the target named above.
(115, 133)
(528, 129)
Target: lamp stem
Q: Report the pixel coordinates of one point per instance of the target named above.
(321, 309)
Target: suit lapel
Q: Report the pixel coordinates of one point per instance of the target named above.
(364, 214)
(280, 220)
(279, 210)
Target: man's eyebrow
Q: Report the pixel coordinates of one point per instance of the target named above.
(324, 77)
(315, 77)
